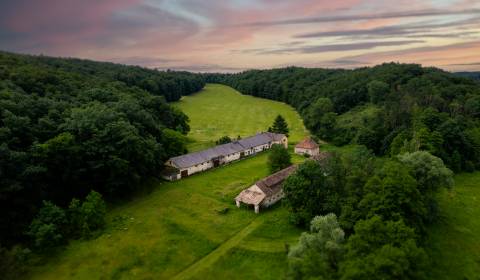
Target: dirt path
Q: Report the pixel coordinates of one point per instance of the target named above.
(213, 256)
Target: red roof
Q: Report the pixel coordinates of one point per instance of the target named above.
(307, 143)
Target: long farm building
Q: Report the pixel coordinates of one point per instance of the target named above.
(188, 164)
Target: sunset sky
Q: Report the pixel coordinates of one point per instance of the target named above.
(227, 36)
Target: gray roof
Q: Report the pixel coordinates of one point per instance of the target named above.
(273, 184)
(195, 158)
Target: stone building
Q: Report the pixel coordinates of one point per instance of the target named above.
(307, 147)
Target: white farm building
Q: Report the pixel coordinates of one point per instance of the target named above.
(188, 164)
(265, 192)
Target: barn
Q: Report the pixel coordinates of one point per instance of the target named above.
(265, 192)
(188, 164)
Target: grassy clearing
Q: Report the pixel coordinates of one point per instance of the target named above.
(453, 242)
(178, 224)
(219, 110)
(178, 229)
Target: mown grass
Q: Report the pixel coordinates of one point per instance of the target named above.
(453, 242)
(159, 234)
(219, 110)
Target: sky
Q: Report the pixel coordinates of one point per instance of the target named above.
(235, 35)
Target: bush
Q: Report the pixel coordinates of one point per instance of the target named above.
(87, 217)
(47, 229)
(13, 262)
(223, 140)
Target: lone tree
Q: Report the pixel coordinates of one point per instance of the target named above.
(318, 252)
(279, 126)
(279, 158)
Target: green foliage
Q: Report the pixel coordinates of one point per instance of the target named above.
(318, 252)
(279, 158)
(54, 225)
(377, 90)
(429, 171)
(279, 126)
(47, 229)
(79, 123)
(393, 194)
(223, 140)
(314, 189)
(431, 175)
(13, 262)
(383, 250)
(86, 217)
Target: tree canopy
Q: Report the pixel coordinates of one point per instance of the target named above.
(69, 125)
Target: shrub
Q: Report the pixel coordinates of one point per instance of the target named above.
(87, 217)
(47, 229)
(223, 140)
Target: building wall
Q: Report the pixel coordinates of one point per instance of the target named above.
(198, 168)
(270, 200)
(229, 158)
(311, 152)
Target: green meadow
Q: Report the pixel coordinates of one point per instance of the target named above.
(191, 229)
(220, 110)
(454, 242)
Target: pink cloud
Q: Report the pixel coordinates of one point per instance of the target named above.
(206, 32)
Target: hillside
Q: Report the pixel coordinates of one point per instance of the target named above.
(219, 110)
(179, 230)
(417, 107)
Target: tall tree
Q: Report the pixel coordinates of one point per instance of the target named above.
(279, 158)
(279, 126)
(319, 251)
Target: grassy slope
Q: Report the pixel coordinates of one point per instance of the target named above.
(177, 227)
(219, 110)
(454, 242)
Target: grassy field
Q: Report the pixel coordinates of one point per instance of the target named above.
(179, 229)
(454, 242)
(219, 110)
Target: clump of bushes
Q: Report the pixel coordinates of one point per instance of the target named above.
(223, 140)
(54, 225)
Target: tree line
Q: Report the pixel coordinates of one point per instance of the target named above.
(390, 108)
(68, 126)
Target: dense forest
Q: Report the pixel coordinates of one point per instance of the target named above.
(391, 108)
(69, 126)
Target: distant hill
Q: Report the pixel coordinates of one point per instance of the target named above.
(473, 75)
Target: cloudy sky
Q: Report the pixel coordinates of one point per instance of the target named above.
(233, 35)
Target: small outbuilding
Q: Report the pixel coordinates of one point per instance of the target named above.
(265, 192)
(307, 147)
